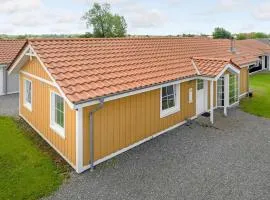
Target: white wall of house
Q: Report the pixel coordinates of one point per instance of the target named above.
(1, 80)
(9, 84)
(12, 83)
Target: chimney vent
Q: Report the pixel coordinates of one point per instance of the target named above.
(232, 48)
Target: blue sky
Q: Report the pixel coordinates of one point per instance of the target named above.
(144, 17)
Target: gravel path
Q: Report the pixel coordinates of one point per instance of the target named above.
(9, 105)
(228, 161)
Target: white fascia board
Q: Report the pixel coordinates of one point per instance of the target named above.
(18, 62)
(247, 64)
(118, 96)
(71, 105)
(228, 67)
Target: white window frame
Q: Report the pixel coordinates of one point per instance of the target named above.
(176, 108)
(53, 125)
(237, 88)
(25, 103)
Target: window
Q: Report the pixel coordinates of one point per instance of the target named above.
(199, 84)
(233, 89)
(190, 95)
(170, 100)
(220, 92)
(57, 114)
(28, 94)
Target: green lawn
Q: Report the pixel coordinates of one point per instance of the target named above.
(259, 104)
(28, 167)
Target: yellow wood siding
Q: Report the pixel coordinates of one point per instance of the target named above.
(244, 74)
(39, 117)
(34, 67)
(125, 121)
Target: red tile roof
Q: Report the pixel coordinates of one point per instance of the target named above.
(9, 49)
(91, 68)
(257, 47)
(210, 67)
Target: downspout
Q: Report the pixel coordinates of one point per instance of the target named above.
(91, 118)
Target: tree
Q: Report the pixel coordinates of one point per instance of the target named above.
(259, 35)
(241, 36)
(221, 33)
(104, 23)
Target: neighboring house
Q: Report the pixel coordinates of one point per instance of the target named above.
(92, 99)
(265, 41)
(259, 49)
(8, 51)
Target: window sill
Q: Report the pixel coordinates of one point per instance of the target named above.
(59, 130)
(28, 106)
(170, 111)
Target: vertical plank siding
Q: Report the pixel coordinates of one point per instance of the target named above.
(34, 67)
(244, 74)
(123, 122)
(39, 117)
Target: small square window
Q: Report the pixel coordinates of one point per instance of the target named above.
(169, 100)
(200, 84)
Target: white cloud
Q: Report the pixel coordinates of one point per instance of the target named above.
(262, 12)
(222, 6)
(12, 6)
(39, 20)
(147, 18)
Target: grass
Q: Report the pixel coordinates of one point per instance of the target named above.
(30, 169)
(259, 104)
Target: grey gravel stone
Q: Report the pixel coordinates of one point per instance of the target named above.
(9, 105)
(229, 160)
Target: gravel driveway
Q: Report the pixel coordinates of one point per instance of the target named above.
(228, 161)
(9, 105)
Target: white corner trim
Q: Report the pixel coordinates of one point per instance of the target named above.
(196, 68)
(137, 144)
(54, 147)
(38, 78)
(79, 140)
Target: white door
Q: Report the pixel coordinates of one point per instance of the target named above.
(201, 104)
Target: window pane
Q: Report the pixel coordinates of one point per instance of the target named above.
(171, 103)
(170, 90)
(164, 104)
(233, 93)
(59, 110)
(164, 91)
(28, 90)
